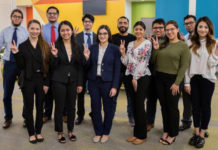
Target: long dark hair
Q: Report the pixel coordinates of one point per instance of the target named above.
(108, 31)
(195, 39)
(166, 39)
(44, 48)
(74, 46)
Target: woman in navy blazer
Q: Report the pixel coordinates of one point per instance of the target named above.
(103, 65)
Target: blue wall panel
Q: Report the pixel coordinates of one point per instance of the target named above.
(208, 8)
(173, 10)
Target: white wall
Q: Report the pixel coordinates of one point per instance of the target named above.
(128, 13)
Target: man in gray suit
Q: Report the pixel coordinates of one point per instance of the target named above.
(87, 36)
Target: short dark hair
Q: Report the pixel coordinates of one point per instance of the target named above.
(52, 7)
(108, 31)
(123, 17)
(89, 16)
(140, 23)
(18, 11)
(159, 21)
(190, 16)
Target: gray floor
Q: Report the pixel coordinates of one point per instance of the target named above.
(16, 138)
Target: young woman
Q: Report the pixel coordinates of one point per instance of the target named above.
(103, 65)
(200, 77)
(138, 78)
(32, 57)
(171, 60)
(67, 78)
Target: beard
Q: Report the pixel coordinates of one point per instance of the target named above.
(16, 25)
(123, 29)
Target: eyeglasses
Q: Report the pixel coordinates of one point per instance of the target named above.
(104, 34)
(170, 29)
(87, 22)
(50, 13)
(160, 28)
(17, 17)
(188, 23)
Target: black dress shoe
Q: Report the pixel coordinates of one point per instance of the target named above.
(193, 140)
(78, 121)
(184, 127)
(7, 124)
(200, 142)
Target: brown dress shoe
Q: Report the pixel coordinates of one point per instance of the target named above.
(138, 141)
(65, 118)
(149, 126)
(7, 124)
(131, 139)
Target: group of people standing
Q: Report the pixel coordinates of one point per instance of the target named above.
(57, 64)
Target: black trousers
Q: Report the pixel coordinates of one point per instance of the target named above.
(201, 95)
(138, 99)
(64, 94)
(168, 102)
(48, 104)
(31, 88)
(187, 107)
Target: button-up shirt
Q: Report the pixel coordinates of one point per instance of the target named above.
(6, 37)
(86, 36)
(47, 32)
(100, 58)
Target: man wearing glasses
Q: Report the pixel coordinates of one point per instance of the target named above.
(189, 22)
(50, 33)
(88, 37)
(158, 32)
(18, 34)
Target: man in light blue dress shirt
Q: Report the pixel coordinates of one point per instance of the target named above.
(51, 26)
(18, 34)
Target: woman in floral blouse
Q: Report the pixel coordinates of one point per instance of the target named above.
(138, 77)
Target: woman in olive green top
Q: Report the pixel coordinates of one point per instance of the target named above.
(171, 59)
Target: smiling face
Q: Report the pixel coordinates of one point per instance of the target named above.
(172, 32)
(103, 36)
(123, 25)
(87, 23)
(190, 24)
(202, 29)
(139, 31)
(66, 32)
(52, 15)
(16, 18)
(158, 30)
(34, 30)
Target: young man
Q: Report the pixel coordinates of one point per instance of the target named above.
(123, 25)
(189, 22)
(18, 34)
(159, 32)
(50, 33)
(87, 36)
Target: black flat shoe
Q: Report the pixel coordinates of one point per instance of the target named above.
(193, 140)
(33, 141)
(200, 142)
(39, 139)
(168, 143)
(206, 134)
(72, 138)
(62, 140)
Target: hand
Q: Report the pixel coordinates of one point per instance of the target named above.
(182, 37)
(75, 30)
(13, 47)
(155, 43)
(216, 51)
(188, 89)
(45, 89)
(113, 92)
(175, 89)
(86, 51)
(79, 89)
(134, 83)
(122, 48)
(54, 50)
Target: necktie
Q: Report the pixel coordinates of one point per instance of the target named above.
(89, 42)
(189, 36)
(52, 34)
(14, 39)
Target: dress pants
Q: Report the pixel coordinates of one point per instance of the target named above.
(201, 95)
(168, 102)
(48, 104)
(31, 88)
(123, 79)
(10, 74)
(64, 94)
(99, 92)
(138, 104)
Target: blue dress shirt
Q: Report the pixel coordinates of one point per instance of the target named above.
(47, 32)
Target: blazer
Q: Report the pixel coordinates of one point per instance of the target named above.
(24, 61)
(61, 67)
(110, 70)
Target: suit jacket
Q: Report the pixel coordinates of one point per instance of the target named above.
(24, 61)
(61, 66)
(110, 70)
